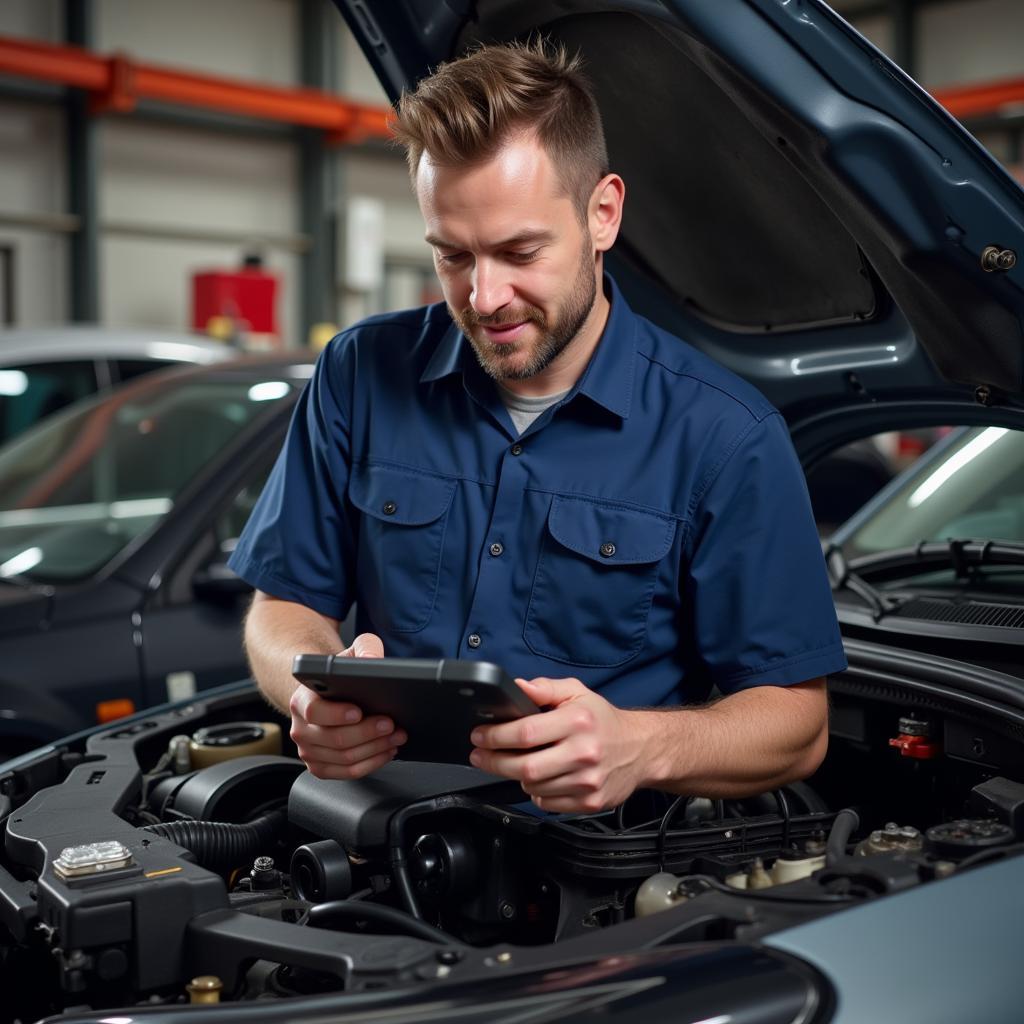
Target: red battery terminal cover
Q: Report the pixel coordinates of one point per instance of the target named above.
(915, 746)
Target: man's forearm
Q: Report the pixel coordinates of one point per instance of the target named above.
(275, 631)
(747, 743)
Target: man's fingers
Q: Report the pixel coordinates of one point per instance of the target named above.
(570, 804)
(571, 784)
(342, 736)
(546, 693)
(325, 770)
(331, 714)
(308, 706)
(366, 645)
(531, 730)
(321, 754)
(537, 766)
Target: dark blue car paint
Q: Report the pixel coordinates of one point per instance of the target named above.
(914, 189)
(66, 647)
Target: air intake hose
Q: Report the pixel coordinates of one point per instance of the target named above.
(220, 846)
(846, 823)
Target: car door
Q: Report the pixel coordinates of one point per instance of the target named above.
(191, 628)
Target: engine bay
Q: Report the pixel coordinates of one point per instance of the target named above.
(187, 856)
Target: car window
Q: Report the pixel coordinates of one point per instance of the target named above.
(80, 487)
(970, 485)
(30, 393)
(844, 481)
(229, 524)
(128, 369)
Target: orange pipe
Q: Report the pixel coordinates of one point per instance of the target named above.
(981, 100)
(118, 82)
(66, 65)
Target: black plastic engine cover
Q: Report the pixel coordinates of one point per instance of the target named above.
(356, 813)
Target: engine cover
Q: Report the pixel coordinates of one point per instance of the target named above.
(356, 813)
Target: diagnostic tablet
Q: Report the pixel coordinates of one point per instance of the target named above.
(437, 702)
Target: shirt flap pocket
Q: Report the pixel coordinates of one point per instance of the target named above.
(609, 533)
(399, 496)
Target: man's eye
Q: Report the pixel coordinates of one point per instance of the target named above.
(451, 258)
(524, 257)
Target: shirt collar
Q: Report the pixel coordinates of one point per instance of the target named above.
(608, 377)
(447, 357)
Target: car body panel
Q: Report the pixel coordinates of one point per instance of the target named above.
(50, 344)
(875, 164)
(911, 956)
(892, 187)
(43, 370)
(119, 633)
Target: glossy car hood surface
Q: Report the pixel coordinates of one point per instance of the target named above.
(797, 207)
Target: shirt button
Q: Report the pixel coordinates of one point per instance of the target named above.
(607, 549)
(496, 549)
(517, 449)
(390, 508)
(473, 640)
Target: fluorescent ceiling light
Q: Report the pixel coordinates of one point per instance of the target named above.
(955, 463)
(13, 383)
(28, 559)
(268, 391)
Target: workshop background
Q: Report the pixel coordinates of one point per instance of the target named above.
(149, 149)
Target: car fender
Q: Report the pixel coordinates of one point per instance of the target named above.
(32, 715)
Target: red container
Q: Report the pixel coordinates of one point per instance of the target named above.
(248, 296)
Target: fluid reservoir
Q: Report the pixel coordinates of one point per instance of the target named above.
(659, 892)
(216, 743)
(793, 865)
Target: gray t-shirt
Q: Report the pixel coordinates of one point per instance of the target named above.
(524, 410)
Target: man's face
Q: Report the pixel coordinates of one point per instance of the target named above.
(516, 265)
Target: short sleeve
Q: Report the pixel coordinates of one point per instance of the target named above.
(299, 541)
(757, 589)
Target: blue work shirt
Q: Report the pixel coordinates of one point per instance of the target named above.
(649, 534)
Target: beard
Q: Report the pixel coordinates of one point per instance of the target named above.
(521, 360)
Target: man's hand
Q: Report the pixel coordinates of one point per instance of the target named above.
(592, 756)
(333, 738)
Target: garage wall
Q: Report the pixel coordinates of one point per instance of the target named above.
(32, 181)
(877, 28)
(161, 176)
(958, 41)
(36, 19)
(255, 39)
(961, 43)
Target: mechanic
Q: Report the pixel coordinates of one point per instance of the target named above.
(530, 473)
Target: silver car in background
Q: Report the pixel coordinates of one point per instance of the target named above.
(44, 369)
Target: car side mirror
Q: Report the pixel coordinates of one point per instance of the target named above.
(218, 583)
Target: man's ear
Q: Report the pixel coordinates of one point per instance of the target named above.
(604, 212)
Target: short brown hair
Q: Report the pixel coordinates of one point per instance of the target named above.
(468, 108)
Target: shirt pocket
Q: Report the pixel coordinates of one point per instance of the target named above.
(401, 536)
(595, 580)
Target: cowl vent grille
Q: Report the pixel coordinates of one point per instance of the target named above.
(970, 613)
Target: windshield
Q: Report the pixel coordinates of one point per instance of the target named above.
(77, 489)
(970, 487)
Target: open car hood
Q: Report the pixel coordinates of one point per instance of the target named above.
(797, 206)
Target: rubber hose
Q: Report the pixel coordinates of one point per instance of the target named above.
(220, 845)
(323, 914)
(847, 822)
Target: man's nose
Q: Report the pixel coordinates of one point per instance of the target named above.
(492, 287)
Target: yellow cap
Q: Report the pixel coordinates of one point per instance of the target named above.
(320, 334)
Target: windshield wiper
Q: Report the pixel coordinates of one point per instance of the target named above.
(842, 576)
(965, 557)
